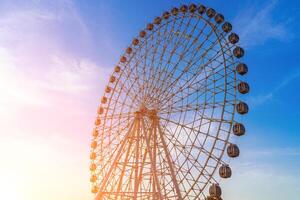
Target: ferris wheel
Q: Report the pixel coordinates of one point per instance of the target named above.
(166, 122)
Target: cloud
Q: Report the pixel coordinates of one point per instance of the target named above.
(258, 25)
(72, 75)
(267, 182)
(274, 152)
(265, 172)
(43, 82)
(261, 99)
(47, 90)
(38, 57)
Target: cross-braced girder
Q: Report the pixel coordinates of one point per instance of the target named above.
(137, 157)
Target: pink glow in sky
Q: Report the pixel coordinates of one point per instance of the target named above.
(45, 104)
(56, 57)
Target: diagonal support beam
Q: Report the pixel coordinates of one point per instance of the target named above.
(99, 196)
(175, 183)
(123, 168)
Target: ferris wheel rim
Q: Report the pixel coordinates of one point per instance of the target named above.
(131, 111)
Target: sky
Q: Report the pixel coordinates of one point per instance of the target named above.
(56, 57)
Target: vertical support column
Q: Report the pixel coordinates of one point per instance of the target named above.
(137, 137)
(154, 130)
(153, 167)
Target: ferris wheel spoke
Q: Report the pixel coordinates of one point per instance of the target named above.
(111, 134)
(194, 76)
(208, 36)
(145, 84)
(159, 45)
(187, 68)
(209, 155)
(144, 58)
(136, 74)
(174, 51)
(208, 176)
(208, 120)
(130, 89)
(214, 89)
(124, 167)
(141, 88)
(192, 79)
(111, 139)
(195, 107)
(201, 32)
(112, 124)
(118, 115)
(168, 43)
(191, 84)
(126, 108)
(110, 130)
(177, 44)
(210, 72)
(152, 57)
(115, 159)
(184, 148)
(188, 154)
(119, 102)
(186, 50)
(218, 54)
(192, 129)
(226, 46)
(127, 91)
(117, 120)
(147, 53)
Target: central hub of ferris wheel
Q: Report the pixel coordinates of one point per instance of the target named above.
(167, 117)
(145, 112)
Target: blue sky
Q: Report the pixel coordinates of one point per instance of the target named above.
(269, 32)
(56, 53)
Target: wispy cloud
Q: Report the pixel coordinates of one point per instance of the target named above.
(265, 172)
(273, 152)
(260, 99)
(265, 179)
(47, 85)
(256, 25)
(41, 60)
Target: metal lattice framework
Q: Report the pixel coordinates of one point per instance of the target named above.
(167, 116)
